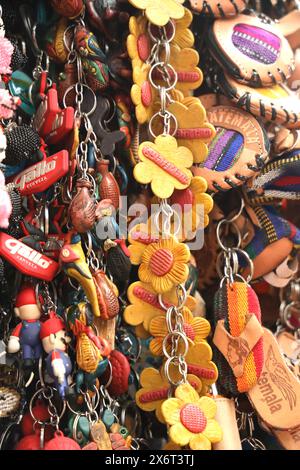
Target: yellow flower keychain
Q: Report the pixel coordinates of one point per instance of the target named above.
(184, 61)
(138, 41)
(144, 304)
(155, 389)
(199, 362)
(164, 165)
(194, 132)
(191, 419)
(143, 94)
(196, 330)
(160, 12)
(163, 263)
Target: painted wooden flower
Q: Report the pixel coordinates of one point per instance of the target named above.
(160, 12)
(163, 264)
(155, 389)
(140, 332)
(143, 94)
(198, 187)
(199, 362)
(195, 328)
(139, 237)
(183, 35)
(194, 132)
(144, 304)
(185, 63)
(164, 165)
(191, 419)
(138, 41)
(195, 204)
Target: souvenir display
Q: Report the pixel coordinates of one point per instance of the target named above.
(149, 228)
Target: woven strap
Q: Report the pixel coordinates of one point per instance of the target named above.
(234, 304)
(279, 179)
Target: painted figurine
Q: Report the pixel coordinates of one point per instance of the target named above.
(55, 341)
(26, 335)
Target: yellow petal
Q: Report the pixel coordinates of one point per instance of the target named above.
(187, 315)
(208, 406)
(149, 406)
(158, 413)
(213, 431)
(199, 354)
(133, 316)
(195, 382)
(156, 346)
(144, 274)
(142, 4)
(141, 332)
(152, 378)
(198, 184)
(201, 327)
(135, 94)
(163, 284)
(171, 410)
(142, 114)
(136, 252)
(186, 393)
(158, 326)
(162, 187)
(141, 174)
(156, 16)
(179, 434)
(200, 442)
(179, 273)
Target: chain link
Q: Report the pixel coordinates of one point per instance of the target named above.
(176, 344)
(162, 77)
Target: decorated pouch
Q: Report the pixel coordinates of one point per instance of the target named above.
(251, 50)
(238, 151)
(238, 337)
(276, 103)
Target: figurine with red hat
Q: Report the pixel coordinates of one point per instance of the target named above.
(26, 335)
(55, 340)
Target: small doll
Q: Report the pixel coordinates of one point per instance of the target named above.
(55, 340)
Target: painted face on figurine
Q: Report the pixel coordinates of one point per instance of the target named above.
(27, 306)
(28, 312)
(58, 340)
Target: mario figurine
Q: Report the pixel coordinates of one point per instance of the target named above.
(55, 340)
(26, 335)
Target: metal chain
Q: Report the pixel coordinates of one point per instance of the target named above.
(162, 77)
(228, 258)
(175, 344)
(246, 426)
(48, 304)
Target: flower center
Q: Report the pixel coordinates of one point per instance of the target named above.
(189, 331)
(146, 94)
(193, 418)
(161, 262)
